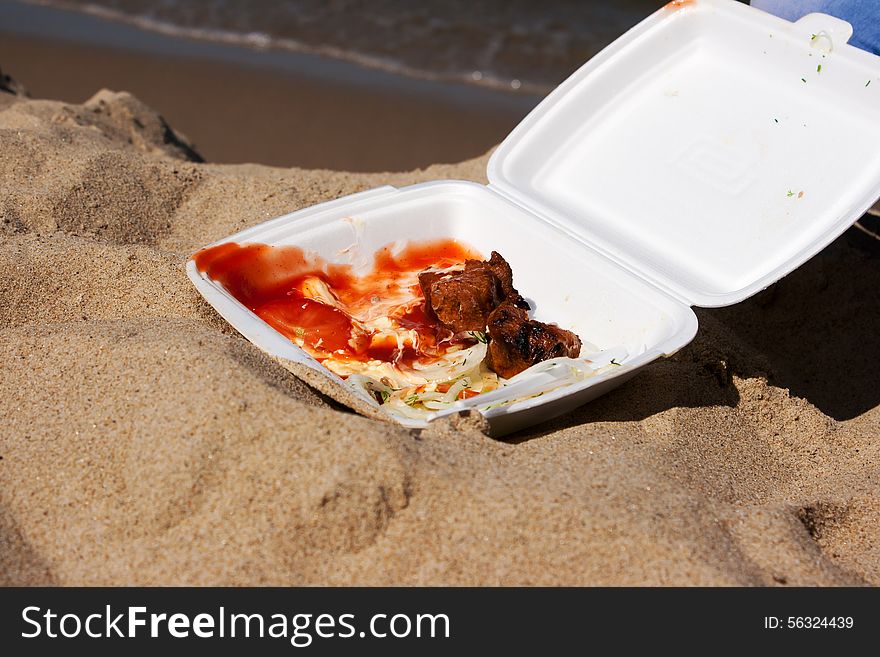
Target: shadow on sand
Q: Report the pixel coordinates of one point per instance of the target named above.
(815, 332)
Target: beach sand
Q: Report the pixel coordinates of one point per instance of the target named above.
(144, 442)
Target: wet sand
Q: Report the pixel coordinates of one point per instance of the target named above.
(283, 109)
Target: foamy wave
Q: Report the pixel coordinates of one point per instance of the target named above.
(263, 41)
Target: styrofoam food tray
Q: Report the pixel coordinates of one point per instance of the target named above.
(700, 157)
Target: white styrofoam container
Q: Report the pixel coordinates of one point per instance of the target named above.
(703, 155)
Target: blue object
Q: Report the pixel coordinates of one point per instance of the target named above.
(863, 15)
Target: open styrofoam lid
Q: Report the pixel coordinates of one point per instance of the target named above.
(713, 148)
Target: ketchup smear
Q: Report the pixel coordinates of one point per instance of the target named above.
(268, 280)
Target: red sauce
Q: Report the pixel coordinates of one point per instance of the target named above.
(268, 280)
(675, 5)
(320, 326)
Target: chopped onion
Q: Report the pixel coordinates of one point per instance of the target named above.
(450, 367)
(370, 386)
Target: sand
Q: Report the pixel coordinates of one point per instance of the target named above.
(144, 442)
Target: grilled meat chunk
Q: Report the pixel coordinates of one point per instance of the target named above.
(481, 295)
(462, 300)
(517, 342)
(502, 270)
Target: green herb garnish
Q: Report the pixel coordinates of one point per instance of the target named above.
(804, 80)
(819, 68)
(790, 193)
(867, 83)
(614, 362)
(479, 336)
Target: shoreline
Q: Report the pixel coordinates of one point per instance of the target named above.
(246, 105)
